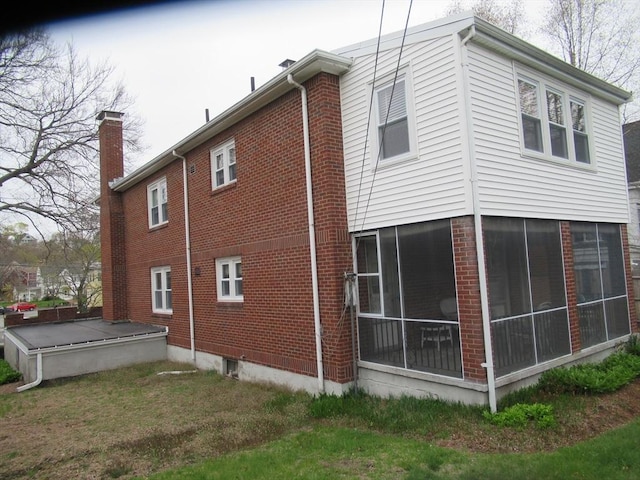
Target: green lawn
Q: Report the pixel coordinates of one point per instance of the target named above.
(334, 452)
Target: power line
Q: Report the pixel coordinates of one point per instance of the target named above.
(384, 127)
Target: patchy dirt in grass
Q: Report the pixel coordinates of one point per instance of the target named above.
(135, 422)
(595, 415)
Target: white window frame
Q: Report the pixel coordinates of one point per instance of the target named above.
(159, 186)
(223, 172)
(376, 123)
(568, 96)
(227, 279)
(161, 275)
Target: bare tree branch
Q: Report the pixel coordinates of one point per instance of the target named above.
(49, 99)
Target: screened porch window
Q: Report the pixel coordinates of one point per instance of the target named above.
(598, 263)
(529, 318)
(407, 298)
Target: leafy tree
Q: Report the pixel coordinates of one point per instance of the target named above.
(17, 250)
(49, 99)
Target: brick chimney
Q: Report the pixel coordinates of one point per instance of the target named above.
(114, 279)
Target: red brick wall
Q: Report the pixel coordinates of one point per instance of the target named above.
(635, 328)
(263, 218)
(469, 305)
(114, 287)
(570, 282)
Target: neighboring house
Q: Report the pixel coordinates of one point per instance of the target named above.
(26, 281)
(631, 132)
(77, 280)
(481, 208)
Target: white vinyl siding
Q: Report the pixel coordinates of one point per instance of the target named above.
(517, 185)
(432, 184)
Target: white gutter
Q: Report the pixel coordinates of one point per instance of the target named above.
(477, 220)
(39, 375)
(312, 234)
(187, 239)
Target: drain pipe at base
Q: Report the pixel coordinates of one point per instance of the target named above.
(187, 236)
(39, 375)
(312, 234)
(477, 220)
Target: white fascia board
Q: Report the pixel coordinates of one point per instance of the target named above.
(515, 48)
(497, 40)
(420, 33)
(315, 62)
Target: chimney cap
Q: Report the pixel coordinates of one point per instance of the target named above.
(287, 63)
(109, 115)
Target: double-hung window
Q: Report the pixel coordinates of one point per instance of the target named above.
(393, 120)
(554, 121)
(223, 164)
(161, 290)
(158, 211)
(530, 112)
(229, 279)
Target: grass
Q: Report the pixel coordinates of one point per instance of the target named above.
(134, 423)
(330, 453)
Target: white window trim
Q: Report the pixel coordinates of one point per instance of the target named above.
(376, 160)
(163, 288)
(233, 295)
(158, 185)
(223, 149)
(544, 83)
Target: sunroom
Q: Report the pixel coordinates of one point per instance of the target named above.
(554, 288)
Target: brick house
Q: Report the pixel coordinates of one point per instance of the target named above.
(472, 185)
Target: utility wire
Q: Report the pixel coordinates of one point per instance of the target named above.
(384, 127)
(366, 138)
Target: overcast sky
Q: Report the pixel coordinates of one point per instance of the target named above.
(182, 58)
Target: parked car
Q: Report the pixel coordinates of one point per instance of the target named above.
(24, 306)
(6, 309)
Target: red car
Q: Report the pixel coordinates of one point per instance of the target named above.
(23, 307)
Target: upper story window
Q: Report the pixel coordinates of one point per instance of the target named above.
(157, 203)
(161, 290)
(229, 279)
(223, 164)
(554, 122)
(393, 121)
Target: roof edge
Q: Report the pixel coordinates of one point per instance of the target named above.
(313, 63)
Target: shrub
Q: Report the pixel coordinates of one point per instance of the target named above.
(632, 346)
(520, 414)
(610, 375)
(8, 374)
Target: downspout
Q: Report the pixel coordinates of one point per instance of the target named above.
(187, 237)
(477, 220)
(39, 375)
(312, 234)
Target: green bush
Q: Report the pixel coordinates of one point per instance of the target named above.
(632, 346)
(520, 414)
(8, 374)
(610, 375)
